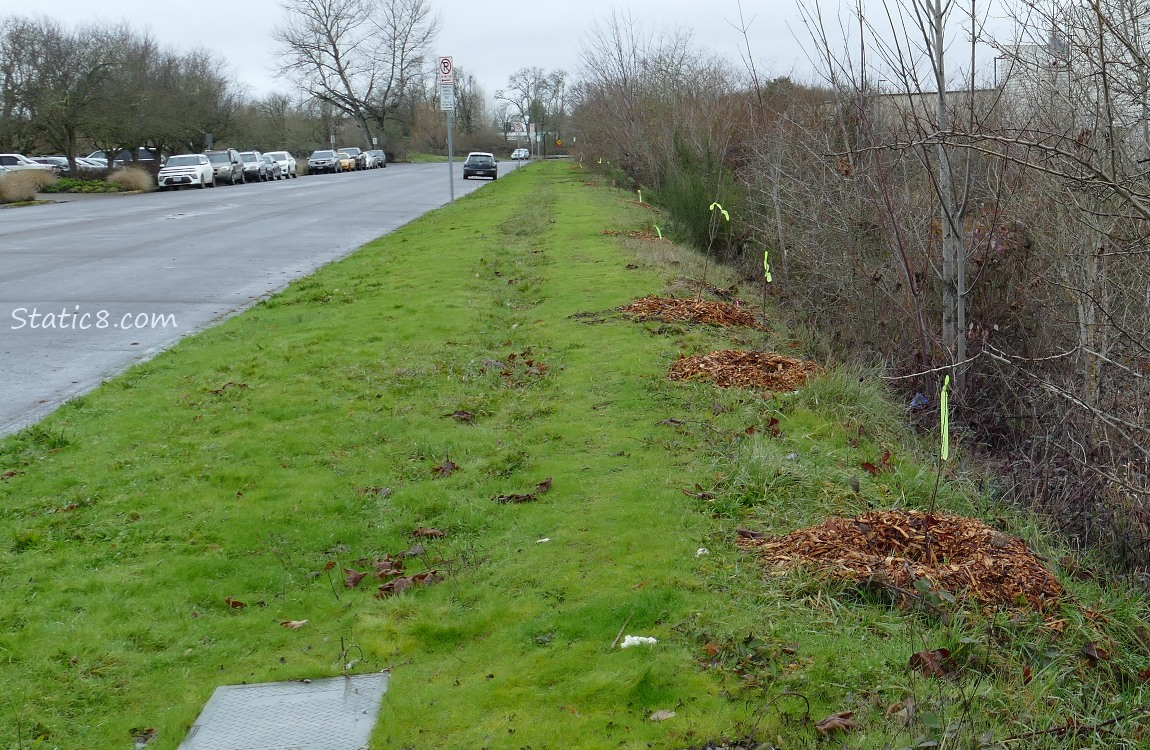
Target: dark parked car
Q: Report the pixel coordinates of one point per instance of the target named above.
(324, 160)
(273, 168)
(380, 158)
(254, 167)
(481, 164)
(227, 166)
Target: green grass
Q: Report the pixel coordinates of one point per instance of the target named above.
(81, 185)
(254, 462)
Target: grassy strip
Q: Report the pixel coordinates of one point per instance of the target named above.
(470, 356)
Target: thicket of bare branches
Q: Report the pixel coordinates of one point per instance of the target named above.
(997, 233)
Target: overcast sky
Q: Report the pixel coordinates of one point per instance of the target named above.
(488, 38)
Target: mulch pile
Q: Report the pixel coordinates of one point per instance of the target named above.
(730, 368)
(672, 309)
(893, 549)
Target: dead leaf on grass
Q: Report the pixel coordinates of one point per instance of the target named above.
(935, 663)
(526, 497)
(445, 469)
(10, 474)
(399, 585)
(840, 722)
(662, 715)
(293, 624)
(462, 416)
(351, 578)
(1095, 654)
(235, 603)
(223, 388)
(415, 551)
(423, 532)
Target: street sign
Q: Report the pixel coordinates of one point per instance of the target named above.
(446, 72)
(446, 98)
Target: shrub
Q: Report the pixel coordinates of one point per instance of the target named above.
(81, 185)
(23, 185)
(132, 178)
(301, 167)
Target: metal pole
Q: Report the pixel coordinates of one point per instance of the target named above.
(450, 153)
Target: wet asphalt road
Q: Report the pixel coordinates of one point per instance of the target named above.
(124, 277)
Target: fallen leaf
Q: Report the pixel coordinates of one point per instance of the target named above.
(544, 486)
(329, 565)
(10, 474)
(662, 715)
(415, 551)
(526, 497)
(462, 416)
(235, 603)
(870, 468)
(742, 533)
(1026, 675)
(351, 578)
(839, 722)
(293, 624)
(1095, 654)
(932, 663)
(884, 462)
(773, 426)
(402, 584)
(425, 532)
(445, 469)
(712, 649)
(700, 493)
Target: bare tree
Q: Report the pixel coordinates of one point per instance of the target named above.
(359, 56)
(537, 98)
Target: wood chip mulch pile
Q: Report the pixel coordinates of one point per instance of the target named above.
(964, 556)
(672, 309)
(730, 368)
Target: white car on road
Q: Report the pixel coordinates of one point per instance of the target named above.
(286, 162)
(185, 170)
(17, 162)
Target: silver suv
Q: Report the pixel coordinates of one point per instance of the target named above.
(227, 166)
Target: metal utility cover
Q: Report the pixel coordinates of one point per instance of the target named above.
(333, 714)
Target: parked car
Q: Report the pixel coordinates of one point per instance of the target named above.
(521, 154)
(273, 168)
(227, 166)
(58, 164)
(86, 165)
(184, 170)
(358, 154)
(286, 162)
(16, 162)
(144, 157)
(324, 160)
(481, 164)
(254, 167)
(346, 161)
(379, 156)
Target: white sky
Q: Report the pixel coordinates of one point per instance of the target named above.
(488, 38)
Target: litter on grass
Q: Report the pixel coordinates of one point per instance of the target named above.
(896, 549)
(730, 368)
(637, 640)
(673, 309)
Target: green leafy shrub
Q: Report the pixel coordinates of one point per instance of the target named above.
(81, 185)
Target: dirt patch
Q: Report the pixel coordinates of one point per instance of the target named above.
(673, 309)
(962, 556)
(730, 368)
(638, 234)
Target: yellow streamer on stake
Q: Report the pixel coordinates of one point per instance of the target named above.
(719, 206)
(766, 267)
(944, 418)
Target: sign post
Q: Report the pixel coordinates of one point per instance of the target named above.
(447, 104)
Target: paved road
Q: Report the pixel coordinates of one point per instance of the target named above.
(179, 261)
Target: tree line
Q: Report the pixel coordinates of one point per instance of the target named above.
(929, 221)
(358, 71)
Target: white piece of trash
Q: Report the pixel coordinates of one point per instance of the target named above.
(702, 551)
(637, 640)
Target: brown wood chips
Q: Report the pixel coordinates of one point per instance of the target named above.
(672, 309)
(962, 556)
(730, 368)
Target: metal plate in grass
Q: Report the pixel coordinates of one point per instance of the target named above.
(334, 714)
